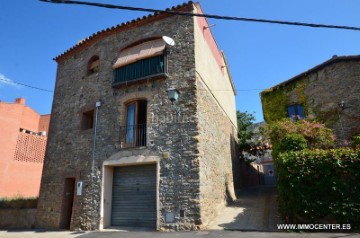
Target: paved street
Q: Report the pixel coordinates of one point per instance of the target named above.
(38, 234)
(213, 234)
(200, 234)
(255, 210)
(253, 215)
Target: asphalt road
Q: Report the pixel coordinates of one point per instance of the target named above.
(216, 234)
(150, 234)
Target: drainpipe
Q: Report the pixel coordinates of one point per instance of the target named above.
(98, 104)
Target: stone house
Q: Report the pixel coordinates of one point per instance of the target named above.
(23, 137)
(143, 132)
(328, 92)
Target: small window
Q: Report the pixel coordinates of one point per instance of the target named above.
(87, 120)
(93, 65)
(296, 112)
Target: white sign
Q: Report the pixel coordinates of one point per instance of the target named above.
(271, 172)
(79, 186)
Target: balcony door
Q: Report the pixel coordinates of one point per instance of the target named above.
(136, 123)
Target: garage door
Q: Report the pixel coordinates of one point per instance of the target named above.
(134, 196)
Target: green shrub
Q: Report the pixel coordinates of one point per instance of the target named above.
(292, 142)
(18, 203)
(355, 142)
(316, 135)
(319, 185)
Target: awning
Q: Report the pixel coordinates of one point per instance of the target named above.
(141, 51)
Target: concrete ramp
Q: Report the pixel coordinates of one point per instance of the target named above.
(254, 210)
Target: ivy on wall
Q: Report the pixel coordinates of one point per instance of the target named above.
(275, 100)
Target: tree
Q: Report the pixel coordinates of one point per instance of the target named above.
(244, 121)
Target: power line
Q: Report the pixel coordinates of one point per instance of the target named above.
(46, 90)
(204, 15)
(26, 85)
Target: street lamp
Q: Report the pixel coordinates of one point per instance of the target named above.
(173, 94)
(341, 105)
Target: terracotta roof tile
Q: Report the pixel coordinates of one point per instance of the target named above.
(87, 41)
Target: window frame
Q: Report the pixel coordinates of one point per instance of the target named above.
(296, 110)
(90, 69)
(135, 132)
(87, 119)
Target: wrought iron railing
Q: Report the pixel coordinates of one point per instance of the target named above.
(133, 136)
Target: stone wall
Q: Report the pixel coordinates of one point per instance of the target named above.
(327, 88)
(17, 219)
(218, 159)
(69, 153)
(216, 113)
(320, 92)
(172, 129)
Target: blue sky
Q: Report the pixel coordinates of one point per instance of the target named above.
(259, 55)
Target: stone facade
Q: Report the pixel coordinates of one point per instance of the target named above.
(192, 142)
(321, 90)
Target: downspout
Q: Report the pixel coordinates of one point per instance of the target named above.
(98, 104)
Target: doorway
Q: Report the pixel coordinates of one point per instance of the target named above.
(136, 124)
(67, 204)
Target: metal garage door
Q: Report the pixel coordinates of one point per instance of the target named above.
(134, 196)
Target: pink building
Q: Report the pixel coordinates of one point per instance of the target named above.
(23, 137)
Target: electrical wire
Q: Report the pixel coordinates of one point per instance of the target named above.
(191, 14)
(46, 90)
(26, 85)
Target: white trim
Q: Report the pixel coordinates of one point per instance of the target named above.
(106, 186)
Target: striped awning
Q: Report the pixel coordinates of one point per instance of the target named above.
(139, 52)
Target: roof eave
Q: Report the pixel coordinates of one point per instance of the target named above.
(334, 59)
(189, 6)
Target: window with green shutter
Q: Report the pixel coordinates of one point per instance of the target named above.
(141, 69)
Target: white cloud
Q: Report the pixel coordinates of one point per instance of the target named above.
(7, 82)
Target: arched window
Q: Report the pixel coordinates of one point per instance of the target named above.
(93, 65)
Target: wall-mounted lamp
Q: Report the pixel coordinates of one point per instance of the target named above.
(341, 105)
(207, 27)
(173, 94)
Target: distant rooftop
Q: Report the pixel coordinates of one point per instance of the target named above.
(331, 61)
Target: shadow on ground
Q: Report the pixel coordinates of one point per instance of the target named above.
(254, 210)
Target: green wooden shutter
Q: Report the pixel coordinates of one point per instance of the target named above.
(140, 69)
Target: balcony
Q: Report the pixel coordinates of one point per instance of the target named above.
(133, 136)
(145, 69)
